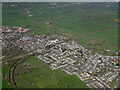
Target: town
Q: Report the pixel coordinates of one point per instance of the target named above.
(97, 71)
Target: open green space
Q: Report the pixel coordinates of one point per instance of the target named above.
(5, 70)
(5, 84)
(84, 22)
(41, 76)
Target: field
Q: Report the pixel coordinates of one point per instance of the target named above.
(93, 25)
(5, 84)
(88, 27)
(5, 70)
(36, 74)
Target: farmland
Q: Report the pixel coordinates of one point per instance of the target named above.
(41, 76)
(92, 25)
(86, 26)
(34, 73)
(5, 70)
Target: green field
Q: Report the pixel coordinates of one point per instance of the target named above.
(5, 70)
(86, 23)
(5, 84)
(41, 76)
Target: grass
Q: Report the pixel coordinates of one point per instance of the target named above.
(44, 77)
(76, 20)
(0, 82)
(5, 70)
(72, 82)
(5, 84)
(85, 23)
